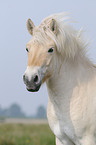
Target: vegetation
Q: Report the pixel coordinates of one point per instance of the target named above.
(41, 113)
(15, 111)
(20, 134)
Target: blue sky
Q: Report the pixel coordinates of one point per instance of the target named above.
(14, 36)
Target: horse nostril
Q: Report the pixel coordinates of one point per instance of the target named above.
(23, 77)
(35, 79)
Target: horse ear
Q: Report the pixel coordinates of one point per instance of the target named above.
(53, 26)
(30, 26)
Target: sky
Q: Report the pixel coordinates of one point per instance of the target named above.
(14, 37)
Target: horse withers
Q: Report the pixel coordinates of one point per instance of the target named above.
(57, 56)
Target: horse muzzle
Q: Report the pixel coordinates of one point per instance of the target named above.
(33, 79)
(32, 85)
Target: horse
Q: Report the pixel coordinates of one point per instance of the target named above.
(57, 55)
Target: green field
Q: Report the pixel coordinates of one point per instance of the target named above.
(21, 134)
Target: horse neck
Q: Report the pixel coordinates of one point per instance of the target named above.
(71, 73)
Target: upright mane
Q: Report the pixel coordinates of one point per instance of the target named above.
(69, 41)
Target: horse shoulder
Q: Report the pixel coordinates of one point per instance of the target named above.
(83, 109)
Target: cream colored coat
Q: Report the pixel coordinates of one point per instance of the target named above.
(72, 104)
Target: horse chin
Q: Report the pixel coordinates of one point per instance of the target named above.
(36, 89)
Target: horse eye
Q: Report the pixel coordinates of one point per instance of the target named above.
(27, 50)
(50, 50)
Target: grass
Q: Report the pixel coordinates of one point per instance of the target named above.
(20, 134)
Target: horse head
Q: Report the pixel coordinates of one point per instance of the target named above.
(41, 51)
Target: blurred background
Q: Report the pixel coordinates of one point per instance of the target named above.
(15, 100)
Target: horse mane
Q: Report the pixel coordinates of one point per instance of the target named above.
(69, 42)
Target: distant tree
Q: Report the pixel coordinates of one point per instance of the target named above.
(41, 112)
(1, 111)
(14, 111)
